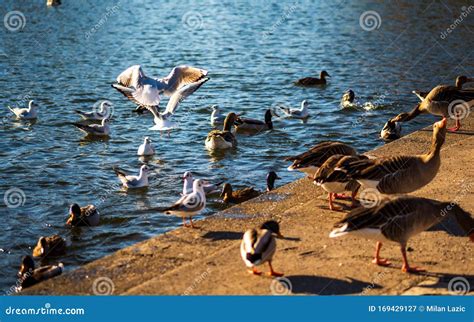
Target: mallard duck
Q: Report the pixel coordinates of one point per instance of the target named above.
(310, 161)
(104, 112)
(225, 139)
(398, 220)
(238, 196)
(335, 182)
(297, 113)
(249, 125)
(189, 205)
(50, 246)
(391, 131)
(271, 177)
(438, 102)
(83, 216)
(347, 98)
(259, 245)
(311, 81)
(102, 130)
(399, 174)
(146, 149)
(29, 275)
(129, 181)
(29, 113)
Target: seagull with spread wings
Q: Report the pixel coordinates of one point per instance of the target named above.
(145, 91)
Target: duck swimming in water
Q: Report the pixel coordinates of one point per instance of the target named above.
(313, 81)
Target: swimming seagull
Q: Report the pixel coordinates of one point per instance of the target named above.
(189, 205)
(146, 149)
(188, 181)
(103, 113)
(217, 117)
(95, 129)
(130, 181)
(145, 91)
(297, 113)
(29, 113)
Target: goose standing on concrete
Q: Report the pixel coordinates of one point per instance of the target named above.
(104, 112)
(297, 113)
(312, 81)
(29, 113)
(310, 161)
(444, 101)
(398, 220)
(225, 139)
(102, 130)
(29, 275)
(146, 149)
(259, 245)
(400, 174)
(131, 182)
(83, 216)
(191, 204)
(249, 125)
(335, 182)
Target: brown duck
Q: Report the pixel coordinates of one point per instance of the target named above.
(398, 220)
(83, 216)
(53, 245)
(312, 81)
(29, 275)
(238, 196)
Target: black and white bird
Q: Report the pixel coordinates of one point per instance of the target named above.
(104, 112)
(188, 181)
(102, 129)
(189, 205)
(297, 113)
(146, 149)
(28, 113)
(129, 181)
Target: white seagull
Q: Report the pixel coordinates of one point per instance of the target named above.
(102, 129)
(217, 117)
(128, 181)
(189, 205)
(29, 113)
(297, 113)
(103, 113)
(146, 149)
(188, 181)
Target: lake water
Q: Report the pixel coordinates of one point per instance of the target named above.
(66, 58)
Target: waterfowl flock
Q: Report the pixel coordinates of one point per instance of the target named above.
(334, 166)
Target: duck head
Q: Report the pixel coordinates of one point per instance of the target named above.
(229, 121)
(41, 247)
(226, 191)
(271, 177)
(324, 74)
(74, 214)
(272, 226)
(461, 80)
(391, 131)
(27, 266)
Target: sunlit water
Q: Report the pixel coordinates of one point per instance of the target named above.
(66, 58)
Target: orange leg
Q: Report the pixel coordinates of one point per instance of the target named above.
(406, 268)
(254, 271)
(191, 221)
(354, 202)
(272, 272)
(331, 199)
(184, 222)
(377, 260)
(457, 127)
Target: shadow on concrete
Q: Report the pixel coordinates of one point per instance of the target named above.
(310, 284)
(223, 235)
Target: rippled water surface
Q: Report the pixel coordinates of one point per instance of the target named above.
(66, 58)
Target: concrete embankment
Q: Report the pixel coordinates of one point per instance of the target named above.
(207, 260)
